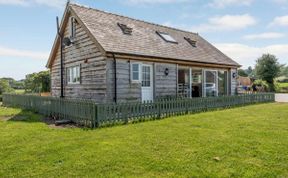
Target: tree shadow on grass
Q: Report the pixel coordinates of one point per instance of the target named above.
(32, 117)
(25, 116)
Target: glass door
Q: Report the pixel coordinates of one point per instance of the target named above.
(196, 82)
(147, 82)
(210, 83)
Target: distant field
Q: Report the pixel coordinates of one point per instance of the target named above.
(20, 91)
(247, 141)
(283, 85)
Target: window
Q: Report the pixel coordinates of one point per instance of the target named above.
(222, 83)
(191, 42)
(135, 72)
(73, 75)
(166, 37)
(125, 29)
(146, 76)
(72, 28)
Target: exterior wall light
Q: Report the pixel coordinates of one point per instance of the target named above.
(166, 71)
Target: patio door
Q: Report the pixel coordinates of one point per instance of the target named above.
(210, 83)
(147, 82)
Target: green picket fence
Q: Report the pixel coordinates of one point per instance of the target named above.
(79, 111)
(96, 115)
(108, 114)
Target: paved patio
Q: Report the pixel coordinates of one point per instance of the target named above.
(281, 98)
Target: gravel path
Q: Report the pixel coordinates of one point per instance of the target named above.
(281, 98)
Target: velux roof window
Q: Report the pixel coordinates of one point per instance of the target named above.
(166, 37)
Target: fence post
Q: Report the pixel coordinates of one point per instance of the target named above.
(95, 116)
(159, 109)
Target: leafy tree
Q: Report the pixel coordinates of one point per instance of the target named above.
(268, 68)
(5, 87)
(242, 73)
(15, 84)
(250, 72)
(284, 71)
(37, 82)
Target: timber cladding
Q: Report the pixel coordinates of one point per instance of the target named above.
(86, 54)
(126, 90)
(165, 85)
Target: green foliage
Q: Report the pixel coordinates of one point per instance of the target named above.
(268, 68)
(242, 73)
(284, 71)
(242, 142)
(5, 87)
(15, 84)
(37, 82)
(261, 83)
(249, 72)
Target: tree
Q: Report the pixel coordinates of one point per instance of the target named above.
(5, 87)
(250, 72)
(242, 73)
(268, 68)
(284, 71)
(37, 82)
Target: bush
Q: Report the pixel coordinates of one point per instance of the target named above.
(261, 84)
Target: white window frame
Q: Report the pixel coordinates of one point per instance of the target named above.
(132, 72)
(72, 26)
(71, 76)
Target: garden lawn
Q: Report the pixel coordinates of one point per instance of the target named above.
(248, 141)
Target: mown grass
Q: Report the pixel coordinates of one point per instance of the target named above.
(249, 141)
(283, 85)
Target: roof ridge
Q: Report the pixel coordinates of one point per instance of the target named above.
(151, 23)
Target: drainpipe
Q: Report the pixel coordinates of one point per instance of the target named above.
(115, 78)
(61, 58)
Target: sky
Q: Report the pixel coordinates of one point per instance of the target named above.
(242, 29)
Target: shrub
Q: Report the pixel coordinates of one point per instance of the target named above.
(261, 83)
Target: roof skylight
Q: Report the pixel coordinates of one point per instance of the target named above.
(166, 37)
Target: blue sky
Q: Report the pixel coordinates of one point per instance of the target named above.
(241, 29)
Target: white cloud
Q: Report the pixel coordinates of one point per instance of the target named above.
(225, 3)
(279, 21)
(281, 1)
(155, 1)
(226, 23)
(268, 35)
(50, 3)
(13, 2)
(247, 55)
(9, 52)
(219, 23)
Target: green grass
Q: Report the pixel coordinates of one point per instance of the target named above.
(20, 91)
(250, 141)
(283, 85)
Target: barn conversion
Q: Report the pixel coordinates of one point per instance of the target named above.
(111, 58)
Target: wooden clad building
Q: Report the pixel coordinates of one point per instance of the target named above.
(112, 58)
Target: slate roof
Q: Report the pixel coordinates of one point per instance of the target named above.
(144, 40)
